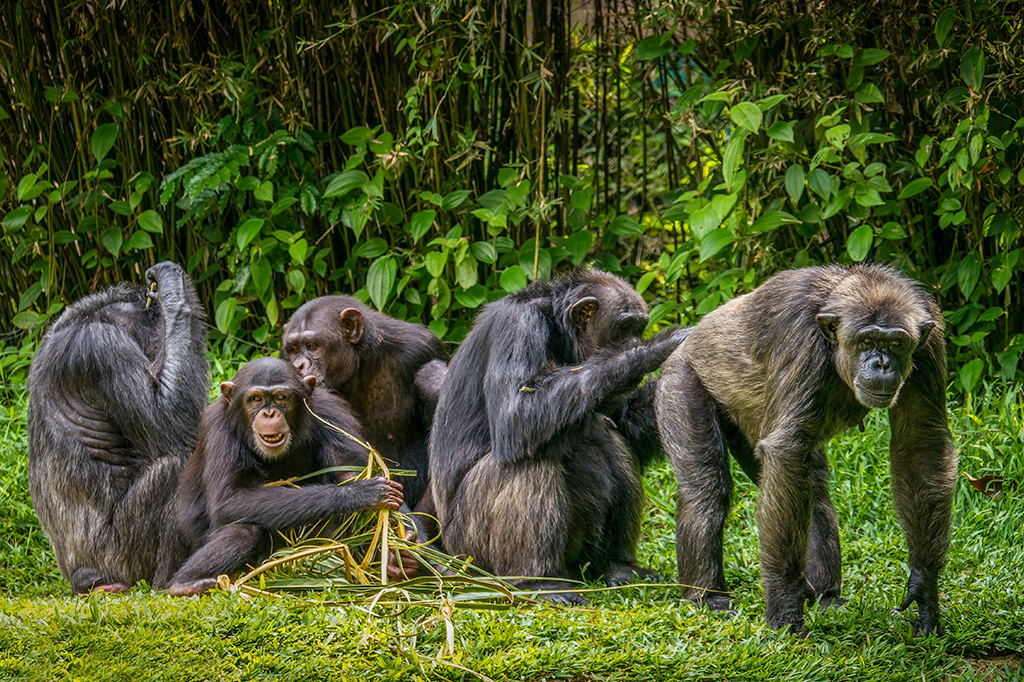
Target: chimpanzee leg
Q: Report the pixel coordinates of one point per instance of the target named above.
(784, 520)
(513, 520)
(228, 550)
(624, 516)
(824, 557)
(688, 419)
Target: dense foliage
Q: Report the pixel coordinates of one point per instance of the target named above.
(432, 156)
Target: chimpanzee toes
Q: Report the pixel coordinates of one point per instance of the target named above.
(624, 574)
(827, 603)
(193, 587)
(716, 602)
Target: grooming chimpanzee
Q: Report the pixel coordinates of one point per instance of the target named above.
(540, 433)
(258, 432)
(115, 395)
(772, 376)
(371, 360)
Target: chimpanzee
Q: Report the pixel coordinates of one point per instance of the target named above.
(538, 441)
(371, 360)
(772, 376)
(260, 431)
(115, 395)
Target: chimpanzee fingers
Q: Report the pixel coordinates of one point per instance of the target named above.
(402, 565)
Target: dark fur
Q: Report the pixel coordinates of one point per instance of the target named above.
(538, 436)
(769, 376)
(226, 515)
(375, 372)
(116, 391)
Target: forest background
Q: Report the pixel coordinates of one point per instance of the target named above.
(433, 156)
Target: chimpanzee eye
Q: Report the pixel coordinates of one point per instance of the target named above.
(896, 343)
(257, 398)
(280, 397)
(311, 345)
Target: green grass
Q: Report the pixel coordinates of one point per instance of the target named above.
(636, 633)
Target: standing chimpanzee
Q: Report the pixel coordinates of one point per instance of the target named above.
(772, 376)
(371, 360)
(533, 460)
(258, 432)
(115, 395)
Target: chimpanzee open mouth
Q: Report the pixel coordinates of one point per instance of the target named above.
(272, 440)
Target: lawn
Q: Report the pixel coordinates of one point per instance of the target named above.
(636, 633)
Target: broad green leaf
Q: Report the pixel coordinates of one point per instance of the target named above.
(370, 249)
(772, 220)
(968, 274)
(484, 252)
(265, 192)
(454, 199)
(343, 183)
(260, 272)
(17, 218)
(225, 314)
(421, 222)
(103, 140)
(795, 182)
(868, 93)
(1001, 277)
(249, 230)
(112, 239)
(140, 240)
(435, 262)
(298, 251)
(781, 130)
(653, 47)
(870, 138)
(625, 226)
(578, 244)
(972, 68)
(915, 187)
(713, 242)
(472, 298)
(732, 158)
(943, 24)
(357, 136)
(466, 273)
(820, 182)
(747, 115)
(513, 279)
(838, 135)
(380, 279)
(26, 320)
(645, 281)
(859, 243)
(869, 56)
(150, 221)
(25, 185)
(970, 373)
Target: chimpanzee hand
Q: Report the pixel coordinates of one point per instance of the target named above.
(165, 282)
(382, 493)
(923, 588)
(402, 565)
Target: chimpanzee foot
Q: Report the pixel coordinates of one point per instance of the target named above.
(827, 602)
(86, 580)
(556, 591)
(623, 574)
(716, 601)
(190, 588)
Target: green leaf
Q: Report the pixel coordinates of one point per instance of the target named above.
(260, 272)
(370, 249)
(472, 298)
(772, 220)
(972, 68)
(869, 56)
(454, 199)
(870, 138)
(859, 243)
(112, 239)
(869, 93)
(225, 314)
(713, 242)
(915, 187)
(943, 24)
(140, 240)
(298, 251)
(578, 245)
(645, 281)
(248, 231)
(820, 182)
(25, 185)
(732, 158)
(968, 274)
(466, 275)
(380, 279)
(625, 226)
(484, 252)
(513, 279)
(795, 182)
(17, 218)
(265, 192)
(970, 373)
(102, 140)
(357, 136)
(653, 47)
(747, 115)
(150, 221)
(343, 183)
(421, 222)
(782, 130)
(435, 262)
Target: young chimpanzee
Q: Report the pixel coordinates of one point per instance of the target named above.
(115, 395)
(371, 360)
(260, 431)
(771, 376)
(535, 449)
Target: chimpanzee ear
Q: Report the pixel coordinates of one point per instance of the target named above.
(310, 382)
(828, 323)
(351, 325)
(923, 332)
(583, 310)
(227, 389)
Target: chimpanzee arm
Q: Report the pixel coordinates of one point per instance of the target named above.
(637, 422)
(529, 399)
(429, 379)
(924, 462)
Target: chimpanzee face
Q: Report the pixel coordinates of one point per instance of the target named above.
(612, 317)
(875, 359)
(322, 345)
